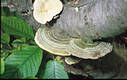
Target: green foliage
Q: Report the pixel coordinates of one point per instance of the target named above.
(21, 58)
(31, 78)
(16, 26)
(23, 63)
(19, 43)
(5, 12)
(2, 11)
(2, 66)
(54, 70)
(2, 0)
(5, 38)
(21, 40)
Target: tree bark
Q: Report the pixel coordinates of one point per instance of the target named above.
(94, 20)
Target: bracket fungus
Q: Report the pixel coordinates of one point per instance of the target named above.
(45, 10)
(59, 43)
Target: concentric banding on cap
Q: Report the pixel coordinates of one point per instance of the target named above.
(89, 51)
(52, 41)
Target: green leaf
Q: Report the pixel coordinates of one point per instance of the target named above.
(17, 26)
(54, 70)
(4, 53)
(2, 0)
(2, 66)
(18, 47)
(19, 43)
(5, 38)
(32, 42)
(21, 40)
(6, 11)
(31, 78)
(2, 11)
(23, 63)
(1, 46)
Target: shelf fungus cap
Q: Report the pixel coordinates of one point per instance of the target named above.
(89, 50)
(58, 42)
(45, 10)
(53, 41)
(72, 60)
